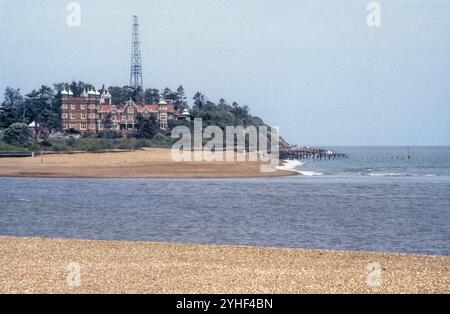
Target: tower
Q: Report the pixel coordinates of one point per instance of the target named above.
(136, 66)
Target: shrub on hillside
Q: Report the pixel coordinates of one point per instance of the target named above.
(111, 134)
(93, 144)
(10, 148)
(17, 134)
(131, 143)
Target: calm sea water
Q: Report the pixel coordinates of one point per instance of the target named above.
(372, 201)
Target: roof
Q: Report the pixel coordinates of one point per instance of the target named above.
(151, 108)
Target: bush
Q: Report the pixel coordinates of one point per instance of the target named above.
(10, 148)
(17, 134)
(87, 135)
(60, 147)
(174, 123)
(159, 140)
(129, 144)
(46, 143)
(93, 144)
(147, 127)
(111, 134)
(132, 135)
(71, 141)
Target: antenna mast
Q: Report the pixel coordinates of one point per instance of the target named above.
(136, 66)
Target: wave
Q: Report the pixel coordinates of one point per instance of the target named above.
(393, 174)
(294, 165)
(309, 173)
(291, 165)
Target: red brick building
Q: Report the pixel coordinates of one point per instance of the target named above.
(88, 112)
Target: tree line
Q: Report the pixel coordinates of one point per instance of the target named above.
(43, 106)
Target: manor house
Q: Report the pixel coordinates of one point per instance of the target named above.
(90, 111)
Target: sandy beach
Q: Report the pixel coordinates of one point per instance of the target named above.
(146, 163)
(38, 265)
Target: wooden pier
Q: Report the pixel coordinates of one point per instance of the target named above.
(295, 153)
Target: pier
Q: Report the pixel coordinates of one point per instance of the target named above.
(294, 153)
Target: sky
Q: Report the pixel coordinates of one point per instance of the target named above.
(314, 68)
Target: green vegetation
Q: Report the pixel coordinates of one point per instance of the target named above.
(11, 148)
(43, 107)
(89, 144)
(17, 134)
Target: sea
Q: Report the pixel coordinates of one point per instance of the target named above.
(387, 199)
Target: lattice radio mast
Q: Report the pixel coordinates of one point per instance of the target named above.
(136, 66)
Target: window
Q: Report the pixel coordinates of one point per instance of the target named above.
(64, 115)
(83, 115)
(130, 118)
(92, 126)
(130, 110)
(72, 125)
(73, 116)
(72, 107)
(64, 106)
(83, 126)
(92, 116)
(82, 107)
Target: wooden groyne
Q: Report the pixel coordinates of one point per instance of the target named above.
(40, 153)
(293, 153)
(16, 154)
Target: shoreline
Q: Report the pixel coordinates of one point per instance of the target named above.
(29, 265)
(147, 163)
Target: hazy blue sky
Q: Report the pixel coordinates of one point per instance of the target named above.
(314, 68)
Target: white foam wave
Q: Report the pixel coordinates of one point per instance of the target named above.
(393, 174)
(309, 173)
(290, 165)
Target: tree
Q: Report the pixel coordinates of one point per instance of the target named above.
(169, 95)
(42, 107)
(78, 88)
(59, 87)
(147, 126)
(135, 94)
(107, 121)
(241, 113)
(180, 101)
(121, 95)
(17, 134)
(10, 107)
(118, 95)
(199, 100)
(151, 96)
(222, 105)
